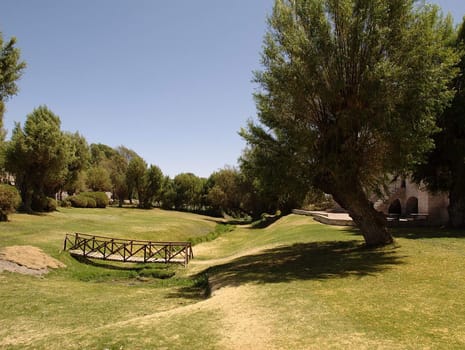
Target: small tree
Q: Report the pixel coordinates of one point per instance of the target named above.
(78, 162)
(9, 201)
(189, 190)
(224, 191)
(168, 193)
(135, 177)
(118, 170)
(151, 186)
(38, 158)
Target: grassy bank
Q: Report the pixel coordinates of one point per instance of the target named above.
(296, 284)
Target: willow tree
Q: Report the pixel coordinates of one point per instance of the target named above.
(349, 90)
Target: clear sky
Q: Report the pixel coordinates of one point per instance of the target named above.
(169, 79)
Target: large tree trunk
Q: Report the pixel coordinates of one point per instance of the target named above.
(26, 198)
(372, 223)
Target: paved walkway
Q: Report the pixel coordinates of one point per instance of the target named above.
(337, 219)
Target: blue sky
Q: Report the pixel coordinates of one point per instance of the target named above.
(168, 79)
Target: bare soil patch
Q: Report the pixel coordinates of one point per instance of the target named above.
(27, 260)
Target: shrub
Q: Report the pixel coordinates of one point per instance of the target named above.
(91, 203)
(89, 200)
(78, 201)
(100, 198)
(44, 204)
(9, 201)
(65, 203)
(50, 204)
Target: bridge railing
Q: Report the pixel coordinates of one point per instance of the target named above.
(107, 248)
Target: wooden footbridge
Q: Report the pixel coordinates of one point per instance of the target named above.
(106, 248)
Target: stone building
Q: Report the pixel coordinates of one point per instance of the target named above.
(410, 201)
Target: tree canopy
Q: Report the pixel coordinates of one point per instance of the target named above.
(349, 93)
(38, 157)
(11, 69)
(445, 166)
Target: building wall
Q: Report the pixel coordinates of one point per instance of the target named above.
(435, 205)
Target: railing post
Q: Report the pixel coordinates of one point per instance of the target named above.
(186, 255)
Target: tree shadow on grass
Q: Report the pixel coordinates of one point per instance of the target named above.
(417, 232)
(427, 232)
(108, 264)
(303, 261)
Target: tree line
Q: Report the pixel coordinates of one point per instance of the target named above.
(42, 164)
(45, 163)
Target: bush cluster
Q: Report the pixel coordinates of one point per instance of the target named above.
(44, 204)
(87, 200)
(9, 201)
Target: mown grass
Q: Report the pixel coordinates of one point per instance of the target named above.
(47, 231)
(314, 287)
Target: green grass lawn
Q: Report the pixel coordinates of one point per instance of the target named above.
(296, 284)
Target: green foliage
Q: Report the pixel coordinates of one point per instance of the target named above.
(156, 273)
(219, 230)
(89, 200)
(101, 198)
(79, 157)
(281, 186)
(78, 201)
(135, 174)
(101, 153)
(189, 191)
(98, 179)
(118, 169)
(11, 69)
(115, 162)
(348, 94)
(168, 194)
(65, 203)
(445, 166)
(317, 200)
(224, 192)
(9, 201)
(151, 186)
(37, 157)
(46, 204)
(146, 182)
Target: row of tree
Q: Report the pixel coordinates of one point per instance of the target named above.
(45, 162)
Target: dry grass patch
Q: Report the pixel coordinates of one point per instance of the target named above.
(27, 260)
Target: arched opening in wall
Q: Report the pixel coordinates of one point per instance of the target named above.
(395, 207)
(411, 207)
